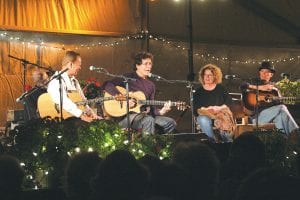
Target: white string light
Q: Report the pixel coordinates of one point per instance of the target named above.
(220, 59)
(142, 35)
(37, 43)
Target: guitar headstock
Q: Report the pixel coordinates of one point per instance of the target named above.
(181, 105)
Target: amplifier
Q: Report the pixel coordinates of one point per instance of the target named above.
(15, 115)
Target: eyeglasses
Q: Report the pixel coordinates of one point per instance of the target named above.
(209, 75)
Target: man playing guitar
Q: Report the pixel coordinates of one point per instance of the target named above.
(149, 116)
(72, 61)
(273, 112)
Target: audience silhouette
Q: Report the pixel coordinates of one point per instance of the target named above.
(78, 175)
(11, 177)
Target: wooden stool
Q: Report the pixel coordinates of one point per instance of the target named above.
(245, 126)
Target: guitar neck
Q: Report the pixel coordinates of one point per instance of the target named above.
(285, 98)
(156, 103)
(96, 100)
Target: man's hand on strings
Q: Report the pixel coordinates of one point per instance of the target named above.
(166, 108)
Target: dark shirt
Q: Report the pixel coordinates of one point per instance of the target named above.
(30, 102)
(144, 85)
(261, 106)
(215, 97)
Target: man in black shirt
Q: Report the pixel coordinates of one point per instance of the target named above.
(273, 112)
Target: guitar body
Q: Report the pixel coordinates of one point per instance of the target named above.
(47, 107)
(265, 99)
(117, 108)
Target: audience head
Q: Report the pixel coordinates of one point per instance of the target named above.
(120, 177)
(11, 175)
(78, 174)
(269, 184)
(152, 164)
(247, 153)
(170, 181)
(201, 165)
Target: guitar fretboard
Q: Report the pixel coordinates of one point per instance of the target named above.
(96, 100)
(288, 99)
(156, 103)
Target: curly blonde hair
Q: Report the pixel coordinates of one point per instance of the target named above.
(214, 69)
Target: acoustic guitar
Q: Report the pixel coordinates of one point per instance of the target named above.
(265, 99)
(47, 107)
(117, 107)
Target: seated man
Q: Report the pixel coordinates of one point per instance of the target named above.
(72, 61)
(273, 112)
(30, 100)
(149, 116)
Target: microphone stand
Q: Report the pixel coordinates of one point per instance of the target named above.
(25, 63)
(190, 85)
(256, 105)
(58, 76)
(126, 81)
(257, 83)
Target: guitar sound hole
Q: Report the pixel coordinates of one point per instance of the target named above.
(134, 103)
(268, 99)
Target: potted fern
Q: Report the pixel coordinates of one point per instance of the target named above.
(290, 88)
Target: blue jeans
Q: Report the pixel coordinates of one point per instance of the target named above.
(279, 115)
(206, 126)
(146, 123)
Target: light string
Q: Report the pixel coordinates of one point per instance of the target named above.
(210, 56)
(4, 35)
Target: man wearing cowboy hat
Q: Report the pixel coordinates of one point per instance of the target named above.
(274, 113)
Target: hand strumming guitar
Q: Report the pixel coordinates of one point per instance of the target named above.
(86, 118)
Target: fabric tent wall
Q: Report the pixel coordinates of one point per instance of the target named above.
(100, 17)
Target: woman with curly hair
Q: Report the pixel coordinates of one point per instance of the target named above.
(210, 99)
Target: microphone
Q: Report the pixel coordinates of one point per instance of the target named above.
(230, 76)
(150, 75)
(20, 98)
(93, 68)
(57, 76)
(285, 75)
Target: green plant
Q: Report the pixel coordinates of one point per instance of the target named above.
(289, 88)
(45, 146)
(281, 153)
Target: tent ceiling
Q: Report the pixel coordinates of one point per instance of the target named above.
(242, 22)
